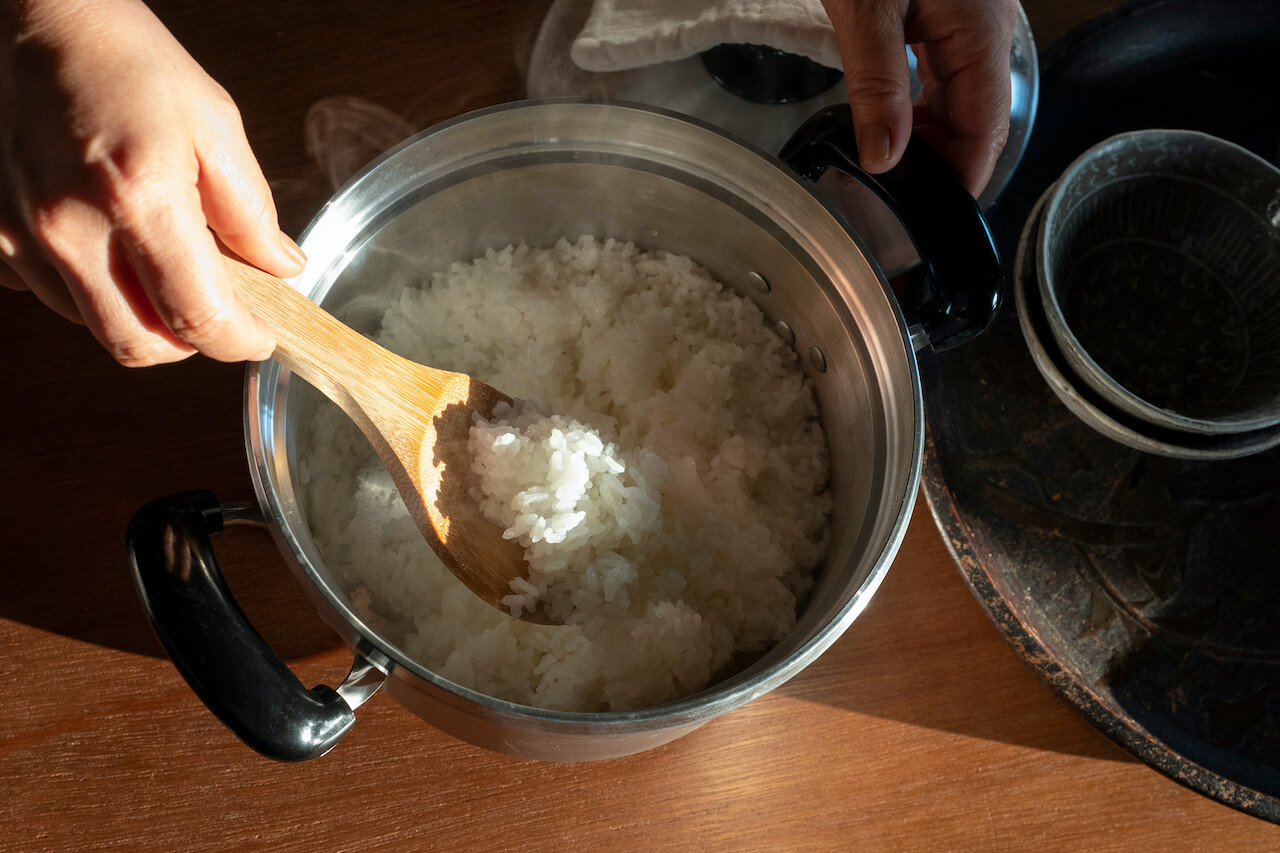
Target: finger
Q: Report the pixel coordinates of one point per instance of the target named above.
(164, 235)
(237, 202)
(973, 157)
(64, 253)
(23, 270)
(11, 275)
(103, 288)
(877, 76)
(49, 287)
(14, 249)
(964, 111)
(11, 279)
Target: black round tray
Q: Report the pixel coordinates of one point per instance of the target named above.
(1145, 591)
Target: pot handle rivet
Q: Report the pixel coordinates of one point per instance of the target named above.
(758, 283)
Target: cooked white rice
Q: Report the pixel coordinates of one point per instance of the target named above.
(673, 508)
(578, 505)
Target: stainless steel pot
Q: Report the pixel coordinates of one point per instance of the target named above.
(537, 171)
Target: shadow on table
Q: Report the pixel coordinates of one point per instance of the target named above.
(938, 662)
(87, 443)
(95, 602)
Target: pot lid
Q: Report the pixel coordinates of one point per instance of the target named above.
(690, 86)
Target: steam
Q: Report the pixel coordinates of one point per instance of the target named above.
(343, 134)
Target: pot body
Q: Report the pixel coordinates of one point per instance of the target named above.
(539, 172)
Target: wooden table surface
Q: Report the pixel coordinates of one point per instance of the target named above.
(918, 729)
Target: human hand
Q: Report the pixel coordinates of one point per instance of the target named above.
(120, 159)
(962, 60)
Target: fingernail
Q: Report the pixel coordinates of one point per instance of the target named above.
(873, 144)
(292, 249)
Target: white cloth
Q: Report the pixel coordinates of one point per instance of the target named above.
(623, 34)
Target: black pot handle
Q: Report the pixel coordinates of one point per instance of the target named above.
(211, 642)
(962, 282)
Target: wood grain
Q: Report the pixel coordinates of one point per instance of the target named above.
(919, 729)
(417, 417)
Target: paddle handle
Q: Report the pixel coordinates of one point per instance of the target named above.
(348, 368)
(309, 340)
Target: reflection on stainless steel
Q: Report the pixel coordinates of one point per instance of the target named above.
(364, 679)
(246, 513)
(685, 87)
(1024, 99)
(175, 550)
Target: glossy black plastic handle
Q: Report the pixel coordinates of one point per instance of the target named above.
(211, 642)
(962, 282)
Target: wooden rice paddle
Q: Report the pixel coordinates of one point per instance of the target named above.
(417, 418)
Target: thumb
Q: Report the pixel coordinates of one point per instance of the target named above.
(238, 206)
(873, 50)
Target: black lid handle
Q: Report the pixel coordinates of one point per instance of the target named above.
(962, 282)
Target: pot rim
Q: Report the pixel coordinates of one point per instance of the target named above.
(769, 671)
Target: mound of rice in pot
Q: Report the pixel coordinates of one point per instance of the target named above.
(666, 474)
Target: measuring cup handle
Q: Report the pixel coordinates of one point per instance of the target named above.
(962, 284)
(211, 642)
